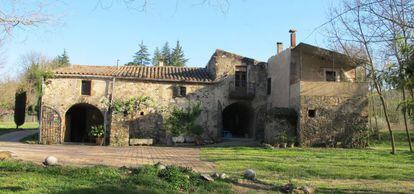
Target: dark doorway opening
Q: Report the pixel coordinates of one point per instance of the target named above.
(79, 120)
(237, 121)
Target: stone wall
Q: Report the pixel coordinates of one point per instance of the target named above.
(63, 93)
(335, 122)
(148, 123)
(280, 121)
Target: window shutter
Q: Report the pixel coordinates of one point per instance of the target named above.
(175, 91)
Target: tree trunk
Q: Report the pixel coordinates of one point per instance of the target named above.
(405, 122)
(376, 129)
(384, 107)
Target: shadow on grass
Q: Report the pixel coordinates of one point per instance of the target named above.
(107, 189)
(335, 190)
(11, 188)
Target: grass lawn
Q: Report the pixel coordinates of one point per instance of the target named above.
(371, 170)
(22, 177)
(6, 127)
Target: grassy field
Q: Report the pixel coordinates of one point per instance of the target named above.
(371, 170)
(6, 127)
(21, 177)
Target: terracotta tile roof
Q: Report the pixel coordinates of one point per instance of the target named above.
(165, 73)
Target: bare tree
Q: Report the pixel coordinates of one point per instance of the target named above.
(142, 5)
(394, 14)
(353, 25)
(18, 14)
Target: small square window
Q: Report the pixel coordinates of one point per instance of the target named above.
(311, 113)
(330, 76)
(179, 91)
(86, 87)
(183, 91)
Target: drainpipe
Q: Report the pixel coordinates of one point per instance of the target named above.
(111, 98)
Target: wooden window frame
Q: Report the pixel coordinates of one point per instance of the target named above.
(179, 91)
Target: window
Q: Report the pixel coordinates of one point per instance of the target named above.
(311, 113)
(86, 87)
(179, 91)
(269, 86)
(330, 76)
(183, 91)
(240, 78)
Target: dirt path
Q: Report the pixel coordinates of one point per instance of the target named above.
(16, 136)
(82, 155)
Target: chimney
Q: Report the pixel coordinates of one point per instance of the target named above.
(279, 47)
(292, 38)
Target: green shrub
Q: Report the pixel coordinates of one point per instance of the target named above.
(176, 177)
(183, 121)
(97, 131)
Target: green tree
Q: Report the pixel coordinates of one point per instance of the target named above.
(20, 108)
(157, 57)
(177, 56)
(142, 56)
(62, 60)
(166, 54)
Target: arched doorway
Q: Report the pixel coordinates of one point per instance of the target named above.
(79, 120)
(238, 121)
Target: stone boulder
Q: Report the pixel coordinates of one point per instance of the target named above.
(223, 176)
(207, 177)
(268, 146)
(250, 174)
(5, 155)
(160, 166)
(50, 161)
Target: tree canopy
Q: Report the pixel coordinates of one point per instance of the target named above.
(141, 57)
(177, 56)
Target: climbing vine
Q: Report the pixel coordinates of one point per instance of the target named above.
(181, 121)
(132, 105)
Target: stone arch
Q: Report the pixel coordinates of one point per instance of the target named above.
(238, 120)
(79, 118)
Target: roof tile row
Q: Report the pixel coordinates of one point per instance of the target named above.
(167, 73)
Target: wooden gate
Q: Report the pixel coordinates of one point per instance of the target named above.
(51, 126)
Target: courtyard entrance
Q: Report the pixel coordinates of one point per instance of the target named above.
(238, 121)
(79, 120)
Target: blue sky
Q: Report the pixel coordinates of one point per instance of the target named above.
(96, 35)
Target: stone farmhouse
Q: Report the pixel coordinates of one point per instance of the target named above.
(310, 93)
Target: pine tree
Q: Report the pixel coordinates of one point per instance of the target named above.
(157, 57)
(142, 56)
(166, 54)
(177, 56)
(62, 60)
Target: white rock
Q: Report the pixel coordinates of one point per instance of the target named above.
(215, 175)
(160, 166)
(250, 174)
(207, 177)
(223, 176)
(50, 160)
